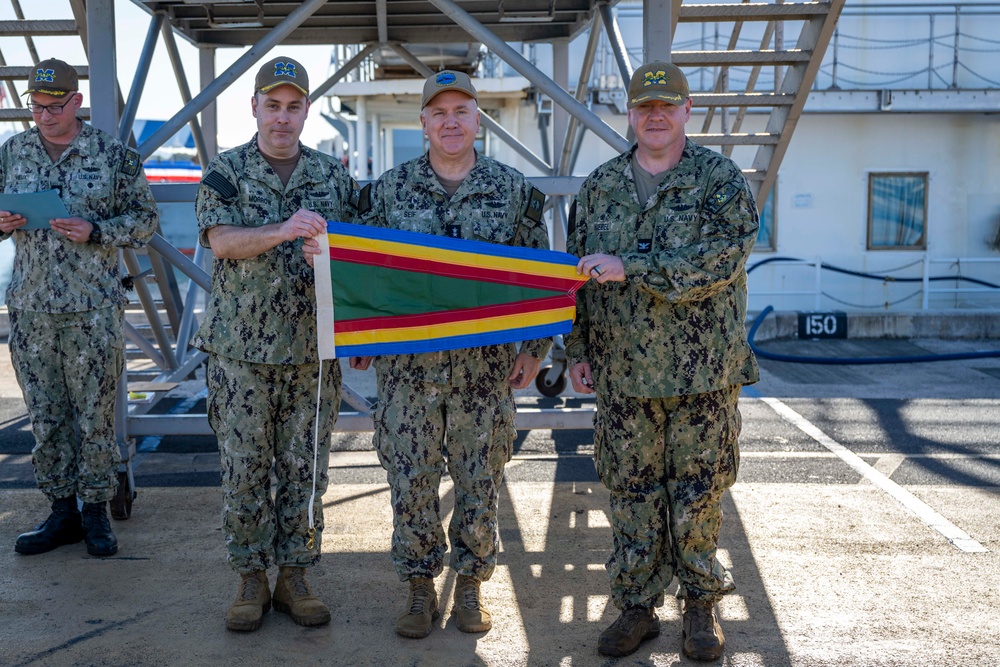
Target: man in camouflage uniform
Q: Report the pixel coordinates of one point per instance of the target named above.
(256, 204)
(664, 231)
(66, 303)
(450, 410)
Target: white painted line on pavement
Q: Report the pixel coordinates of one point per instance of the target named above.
(953, 533)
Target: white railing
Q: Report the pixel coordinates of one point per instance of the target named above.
(956, 261)
(813, 285)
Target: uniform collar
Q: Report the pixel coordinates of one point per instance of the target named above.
(308, 169)
(479, 179)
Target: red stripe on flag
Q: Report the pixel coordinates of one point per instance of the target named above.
(452, 316)
(453, 271)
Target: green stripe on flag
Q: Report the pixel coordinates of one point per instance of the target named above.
(361, 290)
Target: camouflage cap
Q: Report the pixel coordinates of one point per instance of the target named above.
(52, 77)
(658, 81)
(280, 71)
(447, 80)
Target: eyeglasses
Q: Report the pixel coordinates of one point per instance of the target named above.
(54, 109)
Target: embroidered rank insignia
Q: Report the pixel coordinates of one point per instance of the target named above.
(454, 231)
(644, 246)
(131, 163)
(571, 219)
(536, 204)
(721, 197)
(365, 199)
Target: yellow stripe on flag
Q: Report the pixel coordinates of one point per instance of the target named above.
(477, 326)
(479, 261)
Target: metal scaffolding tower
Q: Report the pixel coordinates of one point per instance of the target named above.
(401, 27)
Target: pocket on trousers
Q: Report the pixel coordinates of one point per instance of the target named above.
(504, 432)
(729, 460)
(380, 439)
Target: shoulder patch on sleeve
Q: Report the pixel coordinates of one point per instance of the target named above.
(536, 204)
(365, 199)
(130, 163)
(718, 199)
(355, 194)
(571, 220)
(220, 184)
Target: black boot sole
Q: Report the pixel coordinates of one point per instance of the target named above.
(616, 652)
(28, 550)
(102, 552)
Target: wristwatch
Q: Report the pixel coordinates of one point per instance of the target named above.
(95, 234)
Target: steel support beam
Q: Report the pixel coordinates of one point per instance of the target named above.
(381, 20)
(227, 78)
(617, 44)
(183, 264)
(170, 44)
(210, 112)
(29, 38)
(18, 105)
(566, 160)
(149, 306)
(657, 30)
(532, 73)
(42, 28)
(103, 67)
(139, 80)
(814, 37)
(560, 117)
(320, 90)
(487, 120)
(358, 422)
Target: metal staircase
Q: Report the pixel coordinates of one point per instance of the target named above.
(795, 70)
(29, 29)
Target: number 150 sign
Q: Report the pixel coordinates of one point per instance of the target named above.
(823, 325)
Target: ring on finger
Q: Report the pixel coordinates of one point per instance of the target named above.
(597, 270)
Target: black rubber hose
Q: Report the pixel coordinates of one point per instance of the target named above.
(872, 276)
(844, 361)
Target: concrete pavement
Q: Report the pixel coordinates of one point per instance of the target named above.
(831, 568)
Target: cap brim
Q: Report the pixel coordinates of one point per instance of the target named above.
(670, 98)
(445, 90)
(47, 91)
(264, 89)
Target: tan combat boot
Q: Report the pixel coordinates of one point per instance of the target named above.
(417, 620)
(634, 626)
(292, 596)
(471, 615)
(253, 600)
(703, 638)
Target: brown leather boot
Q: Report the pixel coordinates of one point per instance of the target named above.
(253, 600)
(634, 626)
(292, 596)
(417, 620)
(703, 638)
(471, 615)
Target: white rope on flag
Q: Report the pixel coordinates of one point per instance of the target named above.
(312, 498)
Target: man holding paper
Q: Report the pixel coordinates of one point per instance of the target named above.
(66, 300)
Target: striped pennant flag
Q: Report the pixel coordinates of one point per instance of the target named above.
(395, 292)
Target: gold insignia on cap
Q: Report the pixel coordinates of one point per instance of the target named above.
(659, 77)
